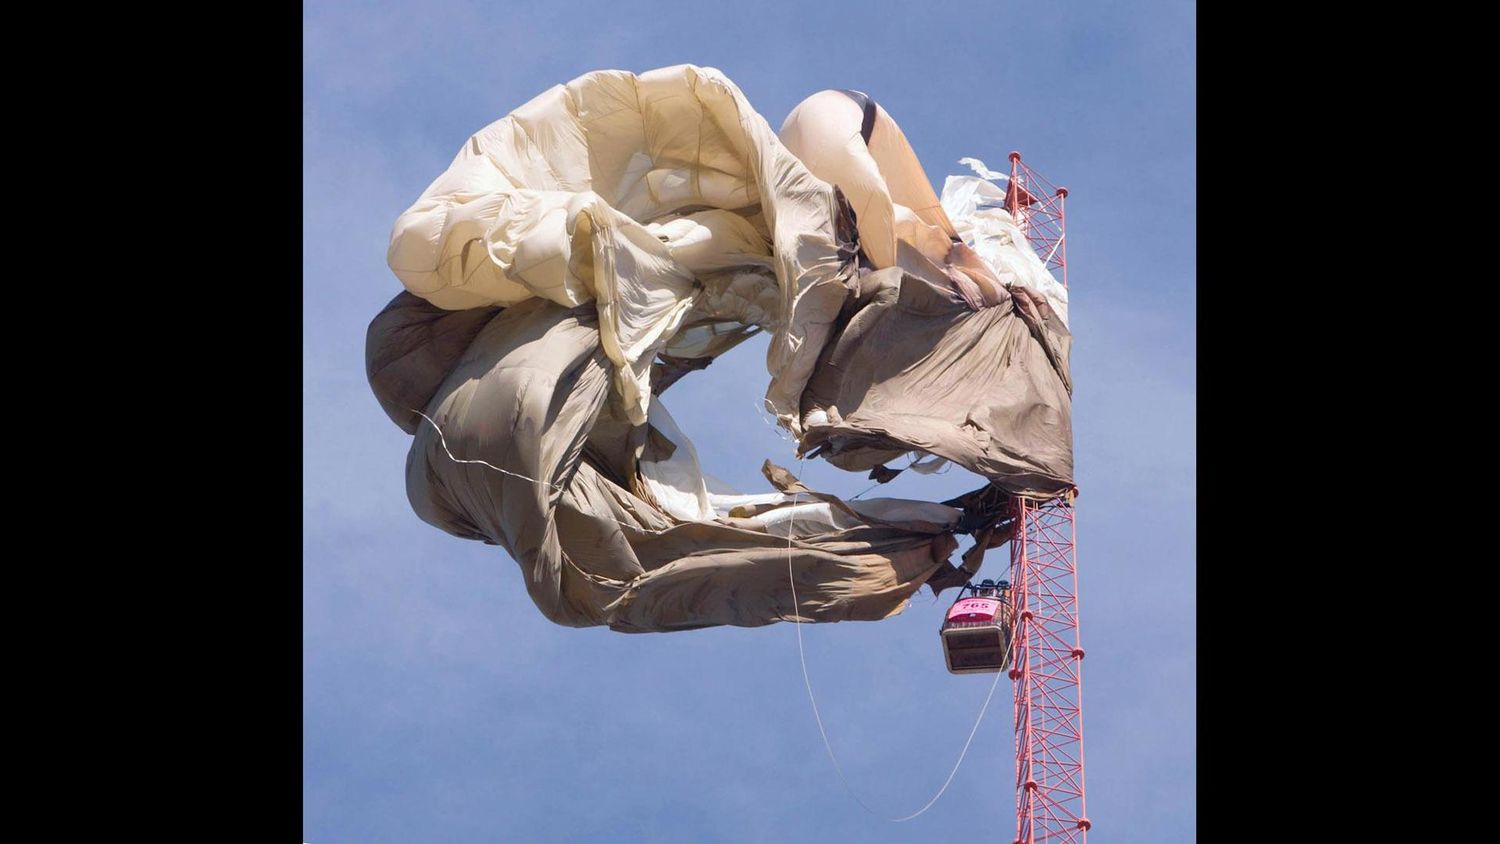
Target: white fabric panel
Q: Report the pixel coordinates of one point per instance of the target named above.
(993, 235)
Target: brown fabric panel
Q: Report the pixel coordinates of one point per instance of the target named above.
(1049, 330)
(699, 574)
(916, 368)
(751, 588)
(410, 347)
(667, 370)
(523, 397)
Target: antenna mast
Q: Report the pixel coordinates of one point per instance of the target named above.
(1047, 666)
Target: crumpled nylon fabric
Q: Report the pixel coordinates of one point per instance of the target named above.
(620, 231)
(631, 193)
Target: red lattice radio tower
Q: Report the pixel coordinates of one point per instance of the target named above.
(1047, 661)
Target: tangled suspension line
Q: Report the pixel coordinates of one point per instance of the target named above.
(796, 623)
(817, 716)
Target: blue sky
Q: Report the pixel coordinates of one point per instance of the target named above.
(440, 706)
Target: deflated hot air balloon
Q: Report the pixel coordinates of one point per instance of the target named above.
(584, 252)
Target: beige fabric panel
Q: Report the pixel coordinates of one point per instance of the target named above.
(883, 178)
(562, 200)
(890, 193)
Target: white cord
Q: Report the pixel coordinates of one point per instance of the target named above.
(797, 623)
(558, 487)
(765, 407)
(827, 745)
(444, 440)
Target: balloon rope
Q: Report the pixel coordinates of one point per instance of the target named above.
(807, 681)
